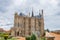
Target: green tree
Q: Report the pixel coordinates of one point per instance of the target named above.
(33, 37)
(47, 30)
(27, 38)
(5, 37)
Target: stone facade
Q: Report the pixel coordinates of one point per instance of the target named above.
(26, 25)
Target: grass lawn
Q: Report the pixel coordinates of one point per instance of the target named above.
(8, 39)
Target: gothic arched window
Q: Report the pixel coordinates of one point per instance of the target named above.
(18, 24)
(39, 23)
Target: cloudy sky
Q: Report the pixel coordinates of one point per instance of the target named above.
(51, 12)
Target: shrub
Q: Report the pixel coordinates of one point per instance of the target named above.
(5, 37)
(27, 38)
(33, 37)
(42, 38)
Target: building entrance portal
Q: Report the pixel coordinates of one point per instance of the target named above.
(17, 33)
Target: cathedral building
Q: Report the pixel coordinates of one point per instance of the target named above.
(27, 25)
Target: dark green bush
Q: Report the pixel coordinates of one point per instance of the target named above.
(27, 38)
(43, 38)
(6, 37)
(33, 37)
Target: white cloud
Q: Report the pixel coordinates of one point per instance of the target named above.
(18, 2)
(50, 8)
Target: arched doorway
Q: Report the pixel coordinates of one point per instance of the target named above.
(18, 33)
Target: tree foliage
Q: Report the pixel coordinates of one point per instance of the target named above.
(27, 38)
(4, 35)
(33, 37)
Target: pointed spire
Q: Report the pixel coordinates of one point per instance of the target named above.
(32, 13)
(42, 11)
(16, 13)
(39, 13)
(28, 14)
